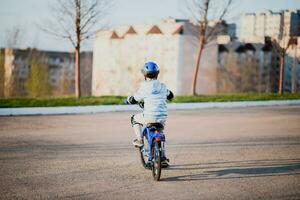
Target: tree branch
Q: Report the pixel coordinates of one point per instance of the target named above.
(73, 23)
(212, 32)
(56, 34)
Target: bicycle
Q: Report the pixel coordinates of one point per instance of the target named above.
(152, 153)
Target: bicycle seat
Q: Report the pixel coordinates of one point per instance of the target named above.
(155, 126)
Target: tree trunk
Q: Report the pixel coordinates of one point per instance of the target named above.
(77, 72)
(77, 48)
(199, 53)
(281, 75)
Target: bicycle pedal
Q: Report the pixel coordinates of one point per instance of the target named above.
(165, 165)
(136, 144)
(148, 165)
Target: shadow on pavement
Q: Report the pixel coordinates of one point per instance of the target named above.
(236, 169)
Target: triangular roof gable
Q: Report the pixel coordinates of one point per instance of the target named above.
(267, 47)
(240, 49)
(154, 30)
(222, 48)
(114, 35)
(249, 47)
(131, 31)
(179, 30)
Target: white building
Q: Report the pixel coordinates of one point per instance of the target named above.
(120, 53)
(15, 69)
(256, 26)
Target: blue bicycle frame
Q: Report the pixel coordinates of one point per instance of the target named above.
(151, 137)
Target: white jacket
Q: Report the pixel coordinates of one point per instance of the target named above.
(154, 94)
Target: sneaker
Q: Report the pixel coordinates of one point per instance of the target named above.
(137, 143)
(165, 163)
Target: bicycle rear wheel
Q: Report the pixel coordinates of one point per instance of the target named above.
(156, 167)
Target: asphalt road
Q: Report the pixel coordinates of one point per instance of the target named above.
(248, 153)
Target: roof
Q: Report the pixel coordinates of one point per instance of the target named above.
(240, 47)
(267, 47)
(131, 30)
(169, 26)
(114, 35)
(249, 47)
(222, 48)
(179, 30)
(154, 30)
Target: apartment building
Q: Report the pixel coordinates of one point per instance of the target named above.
(15, 65)
(256, 26)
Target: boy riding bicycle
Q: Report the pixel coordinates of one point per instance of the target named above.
(154, 94)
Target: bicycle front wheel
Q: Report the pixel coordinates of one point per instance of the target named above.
(143, 153)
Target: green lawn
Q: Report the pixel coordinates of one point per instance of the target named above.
(116, 100)
(235, 97)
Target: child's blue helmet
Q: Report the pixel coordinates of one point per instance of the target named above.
(150, 70)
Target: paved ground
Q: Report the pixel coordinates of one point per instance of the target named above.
(240, 153)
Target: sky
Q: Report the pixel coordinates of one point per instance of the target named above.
(26, 14)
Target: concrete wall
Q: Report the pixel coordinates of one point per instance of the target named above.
(118, 61)
(292, 68)
(206, 81)
(119, 57)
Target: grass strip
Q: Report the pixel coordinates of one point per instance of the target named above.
(117, 100)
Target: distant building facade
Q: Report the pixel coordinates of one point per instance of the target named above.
(256, 26)
(250, 67)
(120, 53)
(15, 68)
(267, 62)
(292, 67)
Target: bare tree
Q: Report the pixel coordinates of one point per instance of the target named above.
(203, 11)
(75, 20)
(280, 48)
(13, 37)
(10, 81)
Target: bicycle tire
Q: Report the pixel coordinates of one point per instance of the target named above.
(156, 167)
(143, 158)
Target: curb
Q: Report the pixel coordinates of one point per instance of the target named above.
(122, 108)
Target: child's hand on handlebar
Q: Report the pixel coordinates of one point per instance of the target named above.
(141, 104)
